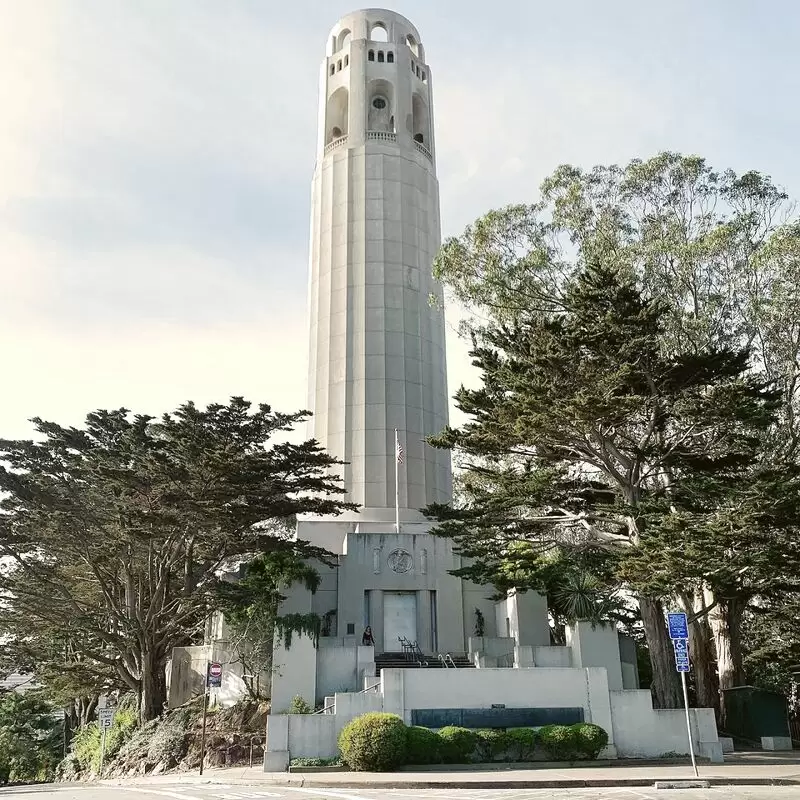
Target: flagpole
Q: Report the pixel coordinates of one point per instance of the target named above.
(396, 482)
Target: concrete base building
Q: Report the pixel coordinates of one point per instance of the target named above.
(377, 387)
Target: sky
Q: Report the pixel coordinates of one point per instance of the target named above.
(156, 157)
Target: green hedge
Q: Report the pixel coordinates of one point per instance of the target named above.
(458, 744)
(423, 746)
(374, 742)
(377, 742)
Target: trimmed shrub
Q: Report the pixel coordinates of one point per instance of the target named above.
(590, 739)
(521, 744)
(492, 745)
(560, 742)
(458, 745)
(374, 742)
(423, 746)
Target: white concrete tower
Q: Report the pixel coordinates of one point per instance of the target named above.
(377, 356)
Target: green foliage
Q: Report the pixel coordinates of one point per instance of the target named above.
(299, 706)
(567, 447)
(423, 746)
(520, 744)
(560, 742)
(108, 507)
(458, 744)
(315, 762)
(591, 739)
(572, 742)
(29, 738)
(304, 624)
(374, 742)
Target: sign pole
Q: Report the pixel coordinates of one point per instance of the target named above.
(102, 750)
(203, 732)
(689, 724)
(679, 633)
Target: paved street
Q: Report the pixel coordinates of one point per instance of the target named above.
(255, 792)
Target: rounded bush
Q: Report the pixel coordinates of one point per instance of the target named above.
(374, 742)
(423, 746)
(590, 739)
(458, 744)
(560, 742)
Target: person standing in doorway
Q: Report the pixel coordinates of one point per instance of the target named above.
(368, 640)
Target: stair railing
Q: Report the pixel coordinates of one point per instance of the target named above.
(448, 657)
(443, 661)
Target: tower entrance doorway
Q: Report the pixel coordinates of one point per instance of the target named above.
(399, 619)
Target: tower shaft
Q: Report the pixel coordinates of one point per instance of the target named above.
(377, 349)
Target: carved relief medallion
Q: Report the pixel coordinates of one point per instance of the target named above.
(400, 561)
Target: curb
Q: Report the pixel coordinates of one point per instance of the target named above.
(572, 783)
(568, 783)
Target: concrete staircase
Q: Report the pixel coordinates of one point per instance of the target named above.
(399, 661)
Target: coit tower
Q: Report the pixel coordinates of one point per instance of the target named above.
(377, 352)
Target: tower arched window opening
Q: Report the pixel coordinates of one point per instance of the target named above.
(390, 57)
(339, 66)
(344, 38)
(378, 33)
(418, 137)
(380, 56)
(424, 77)
(333, 68)
(412, 44)
(371, 55)
(347, 61)
(418, 72)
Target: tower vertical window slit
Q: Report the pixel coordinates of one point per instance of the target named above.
(346, 60)
(390, 57)
(339, 66)
(380, 56)
(371, 55)
(333, 68)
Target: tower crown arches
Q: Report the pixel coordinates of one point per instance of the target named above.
(376, 56)
(375, 24)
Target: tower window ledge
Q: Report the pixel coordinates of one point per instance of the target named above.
(382, 136)
(335, 143)
(424, 150)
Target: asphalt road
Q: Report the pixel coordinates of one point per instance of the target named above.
(256, 792)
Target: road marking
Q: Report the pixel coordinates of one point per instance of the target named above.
(174, 795)
(325, 793)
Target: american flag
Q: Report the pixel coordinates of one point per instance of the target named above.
(399, 450)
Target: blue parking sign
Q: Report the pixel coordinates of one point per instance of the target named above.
(678, 626)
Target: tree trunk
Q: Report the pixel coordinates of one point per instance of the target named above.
(701, 647)
(725, 621)
(666, 687)
(153, 688)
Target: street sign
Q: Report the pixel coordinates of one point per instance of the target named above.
(678, 626)
(682, 665)
(215, 675)
(681, 647)
(106, 718)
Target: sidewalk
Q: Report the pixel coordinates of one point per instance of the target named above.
(740, 769)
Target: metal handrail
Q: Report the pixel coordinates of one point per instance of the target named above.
(452, 663)
(443, 660)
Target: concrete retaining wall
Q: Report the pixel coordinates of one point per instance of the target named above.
(642, 732)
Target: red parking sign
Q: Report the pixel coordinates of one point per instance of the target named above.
(215, 674)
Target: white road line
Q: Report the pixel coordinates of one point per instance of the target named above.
(325, 793)
(174, 795)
